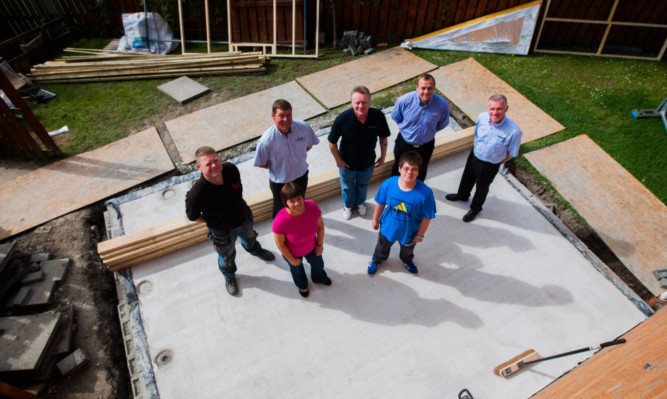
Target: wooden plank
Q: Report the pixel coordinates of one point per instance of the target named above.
(378, 71)
(635, 369)
(153, 242)
(64, 186)
(469, 85)
(624, 213)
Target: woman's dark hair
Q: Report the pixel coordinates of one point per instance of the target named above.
(290, 191)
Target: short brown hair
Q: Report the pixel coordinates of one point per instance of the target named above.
(425, 76)
(361, 90)
(203, 150)
(281, 104)
(411, 158)
(290, 191)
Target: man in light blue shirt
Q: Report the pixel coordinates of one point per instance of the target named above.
(420, 115)
(497, 140)
(282, 150)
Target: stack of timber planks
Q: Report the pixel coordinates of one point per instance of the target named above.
(141, 246)
(110, 65)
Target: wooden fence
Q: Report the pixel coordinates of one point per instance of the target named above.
(386, 19)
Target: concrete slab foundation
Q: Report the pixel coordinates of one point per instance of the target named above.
(487, 291)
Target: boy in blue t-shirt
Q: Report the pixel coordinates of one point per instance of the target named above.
(403, 211)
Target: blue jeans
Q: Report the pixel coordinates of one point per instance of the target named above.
(224, 242)
(317, 272)
(354, 185)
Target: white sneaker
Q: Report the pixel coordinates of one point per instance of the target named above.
(347, 213)
(362, 209)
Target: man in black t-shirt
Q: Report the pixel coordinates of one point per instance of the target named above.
(358, 129)
(217, 199)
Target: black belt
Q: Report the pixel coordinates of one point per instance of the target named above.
(410, 144)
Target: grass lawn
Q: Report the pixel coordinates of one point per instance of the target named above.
(588, 95)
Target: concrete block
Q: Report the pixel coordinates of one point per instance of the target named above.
(21, 297)
(6, 251)
(32, 277)
(660, 273)
(65, 333)
(57, 269)
(54, 272)
(183, 89)
(40, 257)
(72, 363)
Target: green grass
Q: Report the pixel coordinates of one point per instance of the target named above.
(588, 95)
(592, 96)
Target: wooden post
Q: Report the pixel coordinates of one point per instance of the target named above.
(180, 23)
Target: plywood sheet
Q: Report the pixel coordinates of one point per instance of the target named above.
(56, 189)
(378, 71)
(469, 85)
(486, 291)
(626, 215)
(233, 122)
(636, 369)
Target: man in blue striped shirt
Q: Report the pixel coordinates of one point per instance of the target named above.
(497, 140)
(420, 115)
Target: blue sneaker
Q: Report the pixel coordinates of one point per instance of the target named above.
(372, 268)
(411, 268)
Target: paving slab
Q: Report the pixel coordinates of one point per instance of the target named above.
(64, 186)
(235, 121)
(42, 291)
(487, 291)
(184, 89)
(378, 71)
(598, 187)
(24, 340)
(468, 84)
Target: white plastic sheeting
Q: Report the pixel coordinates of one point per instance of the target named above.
(507, 32)
(146, 29)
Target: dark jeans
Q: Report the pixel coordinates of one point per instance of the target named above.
(383, 247)
(275, 190)
(317, 272)
(425, 150)
(224, 242)
(481, 174)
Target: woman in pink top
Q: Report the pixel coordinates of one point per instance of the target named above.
(299, 232)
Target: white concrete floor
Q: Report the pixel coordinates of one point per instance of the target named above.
(487, 291)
